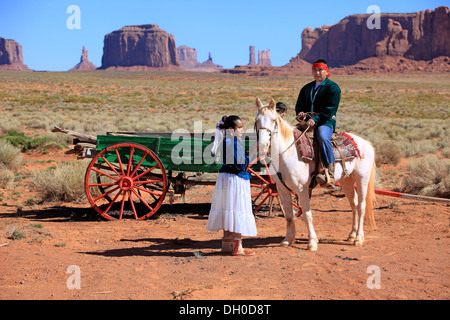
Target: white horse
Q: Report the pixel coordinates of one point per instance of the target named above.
(276, 137)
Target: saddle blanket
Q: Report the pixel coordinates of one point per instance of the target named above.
(307, 147)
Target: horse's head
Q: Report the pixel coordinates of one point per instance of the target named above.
(265, 124)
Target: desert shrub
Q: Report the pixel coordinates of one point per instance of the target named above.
(6, 178)
(446, 152)
(64, 182)
(419, 147)
(10, 156)
(19, 139)
(428, 176)
(10, 125)
(387, 152)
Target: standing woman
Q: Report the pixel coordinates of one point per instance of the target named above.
(231, 208)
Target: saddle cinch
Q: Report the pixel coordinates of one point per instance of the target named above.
(344, 148)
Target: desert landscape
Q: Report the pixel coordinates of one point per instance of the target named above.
(395, 94)
(172, 256)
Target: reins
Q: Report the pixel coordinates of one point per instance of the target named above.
(275, 131)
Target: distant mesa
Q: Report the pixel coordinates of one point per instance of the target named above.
(423, 35)
(85, 64)
(188, 61)
(143, 47)
(11, 56)
(405, 42)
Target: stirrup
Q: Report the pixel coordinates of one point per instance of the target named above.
(325, 180)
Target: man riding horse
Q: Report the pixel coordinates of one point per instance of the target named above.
(321, 97)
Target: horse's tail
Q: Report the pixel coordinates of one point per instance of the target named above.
(370, 198)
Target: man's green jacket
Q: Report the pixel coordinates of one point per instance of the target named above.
(326, 102)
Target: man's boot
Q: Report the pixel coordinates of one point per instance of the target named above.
(327, 179)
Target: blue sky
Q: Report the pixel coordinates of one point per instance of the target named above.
(224, 28)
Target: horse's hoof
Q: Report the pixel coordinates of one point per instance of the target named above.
(285, 244)
(312, 246)
(359, 241)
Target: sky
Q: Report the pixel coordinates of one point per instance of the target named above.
(226, 28)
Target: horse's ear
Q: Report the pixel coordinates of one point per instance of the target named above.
(272, 104)
(259, 104)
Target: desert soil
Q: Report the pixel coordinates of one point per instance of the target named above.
(174, 257)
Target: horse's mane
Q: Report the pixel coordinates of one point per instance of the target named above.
(286, 130)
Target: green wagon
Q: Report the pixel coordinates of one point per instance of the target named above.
(131, 173)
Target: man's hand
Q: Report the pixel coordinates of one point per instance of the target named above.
(301, 116)
(311, 123)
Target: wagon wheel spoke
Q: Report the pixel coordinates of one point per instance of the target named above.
(142, 200)
(150, 192)
(105, 174)
(132, 205)
(110, 165)
(126, 180)
(260, 190)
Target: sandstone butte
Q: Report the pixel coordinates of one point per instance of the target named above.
(188, 61)
(140, 48)
(405, 42)
(11, 55)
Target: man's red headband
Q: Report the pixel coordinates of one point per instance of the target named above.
(319, 65)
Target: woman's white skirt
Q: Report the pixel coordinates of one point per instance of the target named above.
(231, 208)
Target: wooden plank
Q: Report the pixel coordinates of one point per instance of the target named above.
(82, 136)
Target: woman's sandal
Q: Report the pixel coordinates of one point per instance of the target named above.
(234, 246)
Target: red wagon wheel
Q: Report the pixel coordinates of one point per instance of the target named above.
(262, 185)
(264, 189)
(126, 180)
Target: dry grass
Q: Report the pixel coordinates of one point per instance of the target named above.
(429, 176)
(64, 182)
(10, 160)
(402, 115)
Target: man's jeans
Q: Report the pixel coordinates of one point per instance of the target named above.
(323, 134)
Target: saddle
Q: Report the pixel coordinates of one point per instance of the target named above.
(344, 148)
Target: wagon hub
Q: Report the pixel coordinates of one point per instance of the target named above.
(126, 183)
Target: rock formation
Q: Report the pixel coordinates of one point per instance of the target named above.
(422, 35)
(188, 61)
(410, 42)
(394, 64)
(187, 57)
(209, 65)
(252, 61)
(139, 48)
(264, 58)
(11, 55)
(85, 64)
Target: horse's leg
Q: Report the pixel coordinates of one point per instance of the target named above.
(347, 186)
(361, 208)
(307, 214)
(286, 203)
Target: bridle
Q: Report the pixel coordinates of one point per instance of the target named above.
(275, 130)
(271, 133)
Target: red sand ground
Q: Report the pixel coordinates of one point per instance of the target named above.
(174, 257)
